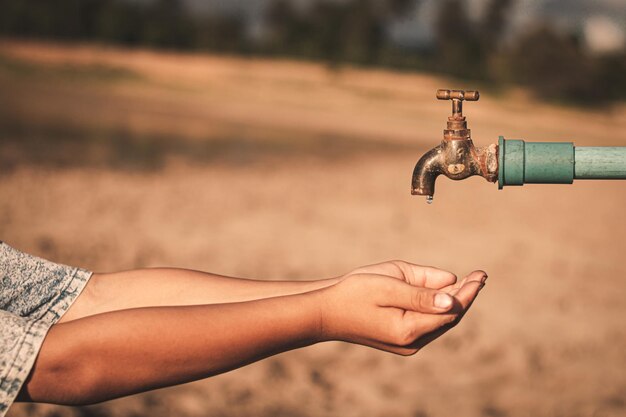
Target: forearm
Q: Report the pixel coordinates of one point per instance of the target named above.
(119, 353)
(177, 287)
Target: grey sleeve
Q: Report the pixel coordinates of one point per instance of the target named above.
(34, 294)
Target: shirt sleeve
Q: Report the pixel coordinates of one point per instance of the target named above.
(34, 294)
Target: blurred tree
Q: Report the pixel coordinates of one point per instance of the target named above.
(354, 31)
(14, 19)
(283, 22)
(350, 31)
(221, 33)
(168, 25)
(65, 19)
(554, 66)
(493, 24)
(327, 20)
(458, 47)
(398, 7)
(611, 76)
(364, 36)
(492, 31)
(120, 22)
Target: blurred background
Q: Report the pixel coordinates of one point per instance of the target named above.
(275, 139)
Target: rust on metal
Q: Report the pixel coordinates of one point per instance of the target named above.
(456, 157)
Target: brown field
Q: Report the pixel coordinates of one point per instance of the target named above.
(114, 159)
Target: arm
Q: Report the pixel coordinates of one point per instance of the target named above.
(118, 353)
(156, 287)
(124, 352)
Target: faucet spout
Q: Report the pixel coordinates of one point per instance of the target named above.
(457, 160)
(426, 171)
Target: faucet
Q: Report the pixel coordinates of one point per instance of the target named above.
(511, 161)
(456, 157)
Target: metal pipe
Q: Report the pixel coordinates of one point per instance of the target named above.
(521, 162)
(600, 163)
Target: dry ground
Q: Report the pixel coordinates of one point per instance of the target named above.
(275, 170)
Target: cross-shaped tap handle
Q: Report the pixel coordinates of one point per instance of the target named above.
(457, 97)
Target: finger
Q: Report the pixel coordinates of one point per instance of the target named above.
(468, 292)
(422, 276)
(430, 277)
(425, 276)
(390, 269)
(473, 276)
(424, 324)
(430, 337)
(431, 327)
(454, 288)
(407, 297)
(420, 324)
(478, 275)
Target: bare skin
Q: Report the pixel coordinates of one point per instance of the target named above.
(135, 331)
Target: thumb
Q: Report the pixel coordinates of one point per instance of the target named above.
(423, 300)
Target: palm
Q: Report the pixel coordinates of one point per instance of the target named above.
(423, 276)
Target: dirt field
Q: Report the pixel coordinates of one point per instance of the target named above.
(116, 159)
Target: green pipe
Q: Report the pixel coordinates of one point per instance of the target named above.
(522, 162)
(598, 163)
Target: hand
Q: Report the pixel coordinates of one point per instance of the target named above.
(396, 306)
(417, 275)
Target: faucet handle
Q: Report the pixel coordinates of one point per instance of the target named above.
(457, 97)
(469, 95)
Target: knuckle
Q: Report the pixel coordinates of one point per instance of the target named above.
(429, 269)
(421, 301)
(399, 265)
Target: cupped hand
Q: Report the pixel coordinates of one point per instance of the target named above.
(418, 275)
(396, 306)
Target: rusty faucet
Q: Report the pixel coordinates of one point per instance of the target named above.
(511, 162)
(456, 157)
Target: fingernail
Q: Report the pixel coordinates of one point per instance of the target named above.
(484, 278)
(443, 301)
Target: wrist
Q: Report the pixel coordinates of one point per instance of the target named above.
(303, 310)
(325, 313)
(320, 284)
(317, 300)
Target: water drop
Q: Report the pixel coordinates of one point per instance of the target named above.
(429, 199)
